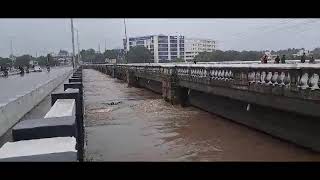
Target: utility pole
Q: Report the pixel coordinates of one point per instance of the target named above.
(78, 44)
(125, 34)
(72, 32)
(11, 48)
(99, 48)
(105, 45)
(11, 53)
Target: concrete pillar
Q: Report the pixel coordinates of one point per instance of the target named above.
(131, 78)
(171, 91)
(74, 94)
(113, 71)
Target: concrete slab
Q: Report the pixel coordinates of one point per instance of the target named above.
(52, 157)
(75, 80)
(44, 128)
(62, 107)
(74, 94)
(46, 147)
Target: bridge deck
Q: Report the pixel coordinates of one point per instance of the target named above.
(132, 124)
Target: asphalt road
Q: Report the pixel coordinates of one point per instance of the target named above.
(16, 85)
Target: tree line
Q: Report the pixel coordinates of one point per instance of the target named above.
(25, 60)
(140, 54)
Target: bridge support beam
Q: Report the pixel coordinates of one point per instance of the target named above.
(132, 80)
(171, 91)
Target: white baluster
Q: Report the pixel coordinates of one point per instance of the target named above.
(286, 79)
(222, 75)
(227, 75)
(269, 76)
(304, 81)
(231, 75)
(257, 77)
(251, 77)
(216, 74)
(281, 79)
(274, 78)
(219, 74)
(314, 81)
(263, 76)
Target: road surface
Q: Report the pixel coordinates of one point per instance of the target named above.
(17, 85)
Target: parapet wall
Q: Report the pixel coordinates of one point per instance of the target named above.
(299, 129)
(15, 110)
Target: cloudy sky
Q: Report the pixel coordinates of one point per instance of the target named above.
(31, 36)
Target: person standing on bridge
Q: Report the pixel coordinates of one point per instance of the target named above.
(277, 60)
(303, 58)
(312, 61)
(264, 59)
(283, 59)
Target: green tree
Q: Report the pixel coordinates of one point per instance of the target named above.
(5, 61)
(110, 54)
(42, 60)
(23, 60)
(99, 58)
(139, 54)
(51, 61)
(177, 60)
(88, 55)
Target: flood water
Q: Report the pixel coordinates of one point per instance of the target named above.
(135, 124)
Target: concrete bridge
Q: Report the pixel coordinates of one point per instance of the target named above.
(279, 99)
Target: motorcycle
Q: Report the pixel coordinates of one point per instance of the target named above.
(5, 73)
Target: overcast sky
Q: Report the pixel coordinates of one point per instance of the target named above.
(50, 35)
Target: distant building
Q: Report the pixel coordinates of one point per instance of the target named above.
(270, 56)
(111, 61)
(193, 46)
(301, 51)
(166, 48)
(63, 57)
(162, 47)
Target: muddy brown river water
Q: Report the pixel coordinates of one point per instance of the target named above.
(135, 124)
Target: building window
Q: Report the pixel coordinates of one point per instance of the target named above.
(163, 57)
(163, 49)
(163, 53)
(163, 45)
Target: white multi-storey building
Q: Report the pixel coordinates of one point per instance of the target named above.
(163, 48)
(167, 48)
(193, 46)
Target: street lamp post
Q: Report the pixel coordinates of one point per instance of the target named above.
(78, 44)
(72, 32)
(125, 33)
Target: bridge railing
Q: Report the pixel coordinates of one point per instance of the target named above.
(296, 75)
(290, 76)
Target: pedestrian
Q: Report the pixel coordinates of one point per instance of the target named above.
(261, 59)
(283, 59)
(312, 60)
(195, 62)
(277, 60)
(265, 59)
(303, 58)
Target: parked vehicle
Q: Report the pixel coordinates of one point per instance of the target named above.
(37, 69)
